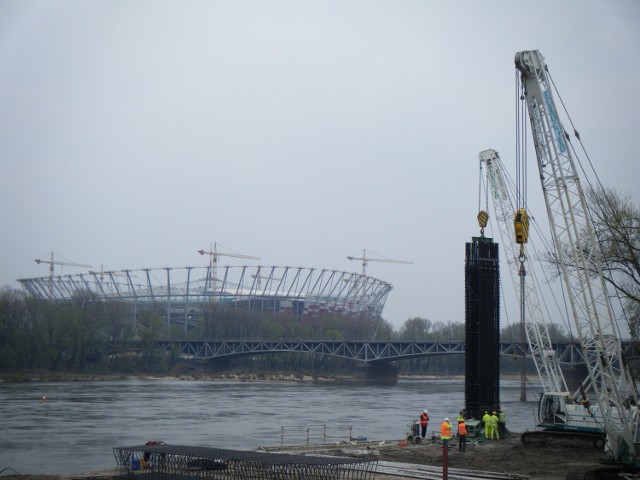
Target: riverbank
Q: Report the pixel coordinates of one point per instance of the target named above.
(46, 376)
(243, 377)
(507, 458)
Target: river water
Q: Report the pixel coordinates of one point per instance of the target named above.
(78, 425)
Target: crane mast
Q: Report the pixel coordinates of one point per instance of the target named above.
(53, 262)
(213, 262)
(360, 286)
(535, 327)
(577, 256)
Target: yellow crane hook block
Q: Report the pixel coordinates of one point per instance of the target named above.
(483, 218)
(521, 225)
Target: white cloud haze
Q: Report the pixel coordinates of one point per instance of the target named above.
(134, 133)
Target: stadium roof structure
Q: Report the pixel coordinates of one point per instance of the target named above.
(299, 290)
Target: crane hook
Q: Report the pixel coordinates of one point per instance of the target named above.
(483, 218)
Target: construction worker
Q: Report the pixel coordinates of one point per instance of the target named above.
(502, 423)
(487, 424)
(445, 432)
(424, 422)
(493, 420)
(462, 435)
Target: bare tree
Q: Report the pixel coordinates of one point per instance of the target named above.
(616, 224)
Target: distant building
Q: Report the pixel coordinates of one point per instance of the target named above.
(184, 293)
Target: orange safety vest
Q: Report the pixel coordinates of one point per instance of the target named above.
(424, 419)
(462, 429)
(445, 431)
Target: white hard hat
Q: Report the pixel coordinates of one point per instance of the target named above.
(425, 411)
(446, 419)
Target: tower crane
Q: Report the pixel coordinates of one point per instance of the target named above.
(213, 261)
(558, 413)
(577, 255)
(269, 278)
(53, 262)
(365, 261)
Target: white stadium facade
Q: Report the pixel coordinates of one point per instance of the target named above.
(184, 293)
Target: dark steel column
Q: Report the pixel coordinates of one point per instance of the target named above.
(482, 327)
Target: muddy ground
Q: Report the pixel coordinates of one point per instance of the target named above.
(505, 456)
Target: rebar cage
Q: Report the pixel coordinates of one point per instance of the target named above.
(482, 327)
(177, 462)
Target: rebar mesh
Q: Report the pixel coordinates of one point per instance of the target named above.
(177, 462)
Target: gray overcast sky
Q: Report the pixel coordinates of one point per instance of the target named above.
(134, 133)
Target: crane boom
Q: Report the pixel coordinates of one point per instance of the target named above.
(365, 261)
(577, 255)
(538, 338)
(53, 262)
(213, 261)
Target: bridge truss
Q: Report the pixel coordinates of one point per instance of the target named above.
(185, 291)
(363, 351)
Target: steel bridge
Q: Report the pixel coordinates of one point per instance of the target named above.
(362, 351)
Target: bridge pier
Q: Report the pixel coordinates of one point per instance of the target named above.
(381, 373)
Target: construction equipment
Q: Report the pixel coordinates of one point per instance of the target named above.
(577, 255)
(413, 435)
(558, 411)
(269, 278)
(365, 261)
(53, 262)
(213, 264)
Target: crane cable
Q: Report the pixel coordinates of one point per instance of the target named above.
(483, 216)
(561, 307)
(521, 221)
(521, 145)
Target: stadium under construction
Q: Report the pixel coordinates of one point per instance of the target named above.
(184, 293)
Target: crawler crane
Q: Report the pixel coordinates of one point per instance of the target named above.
(560, 416)
(577, 255)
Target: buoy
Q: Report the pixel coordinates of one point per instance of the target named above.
(43, 398)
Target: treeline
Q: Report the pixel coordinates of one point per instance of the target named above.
(89, 335)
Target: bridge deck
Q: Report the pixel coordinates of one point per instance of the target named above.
(179, 462)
